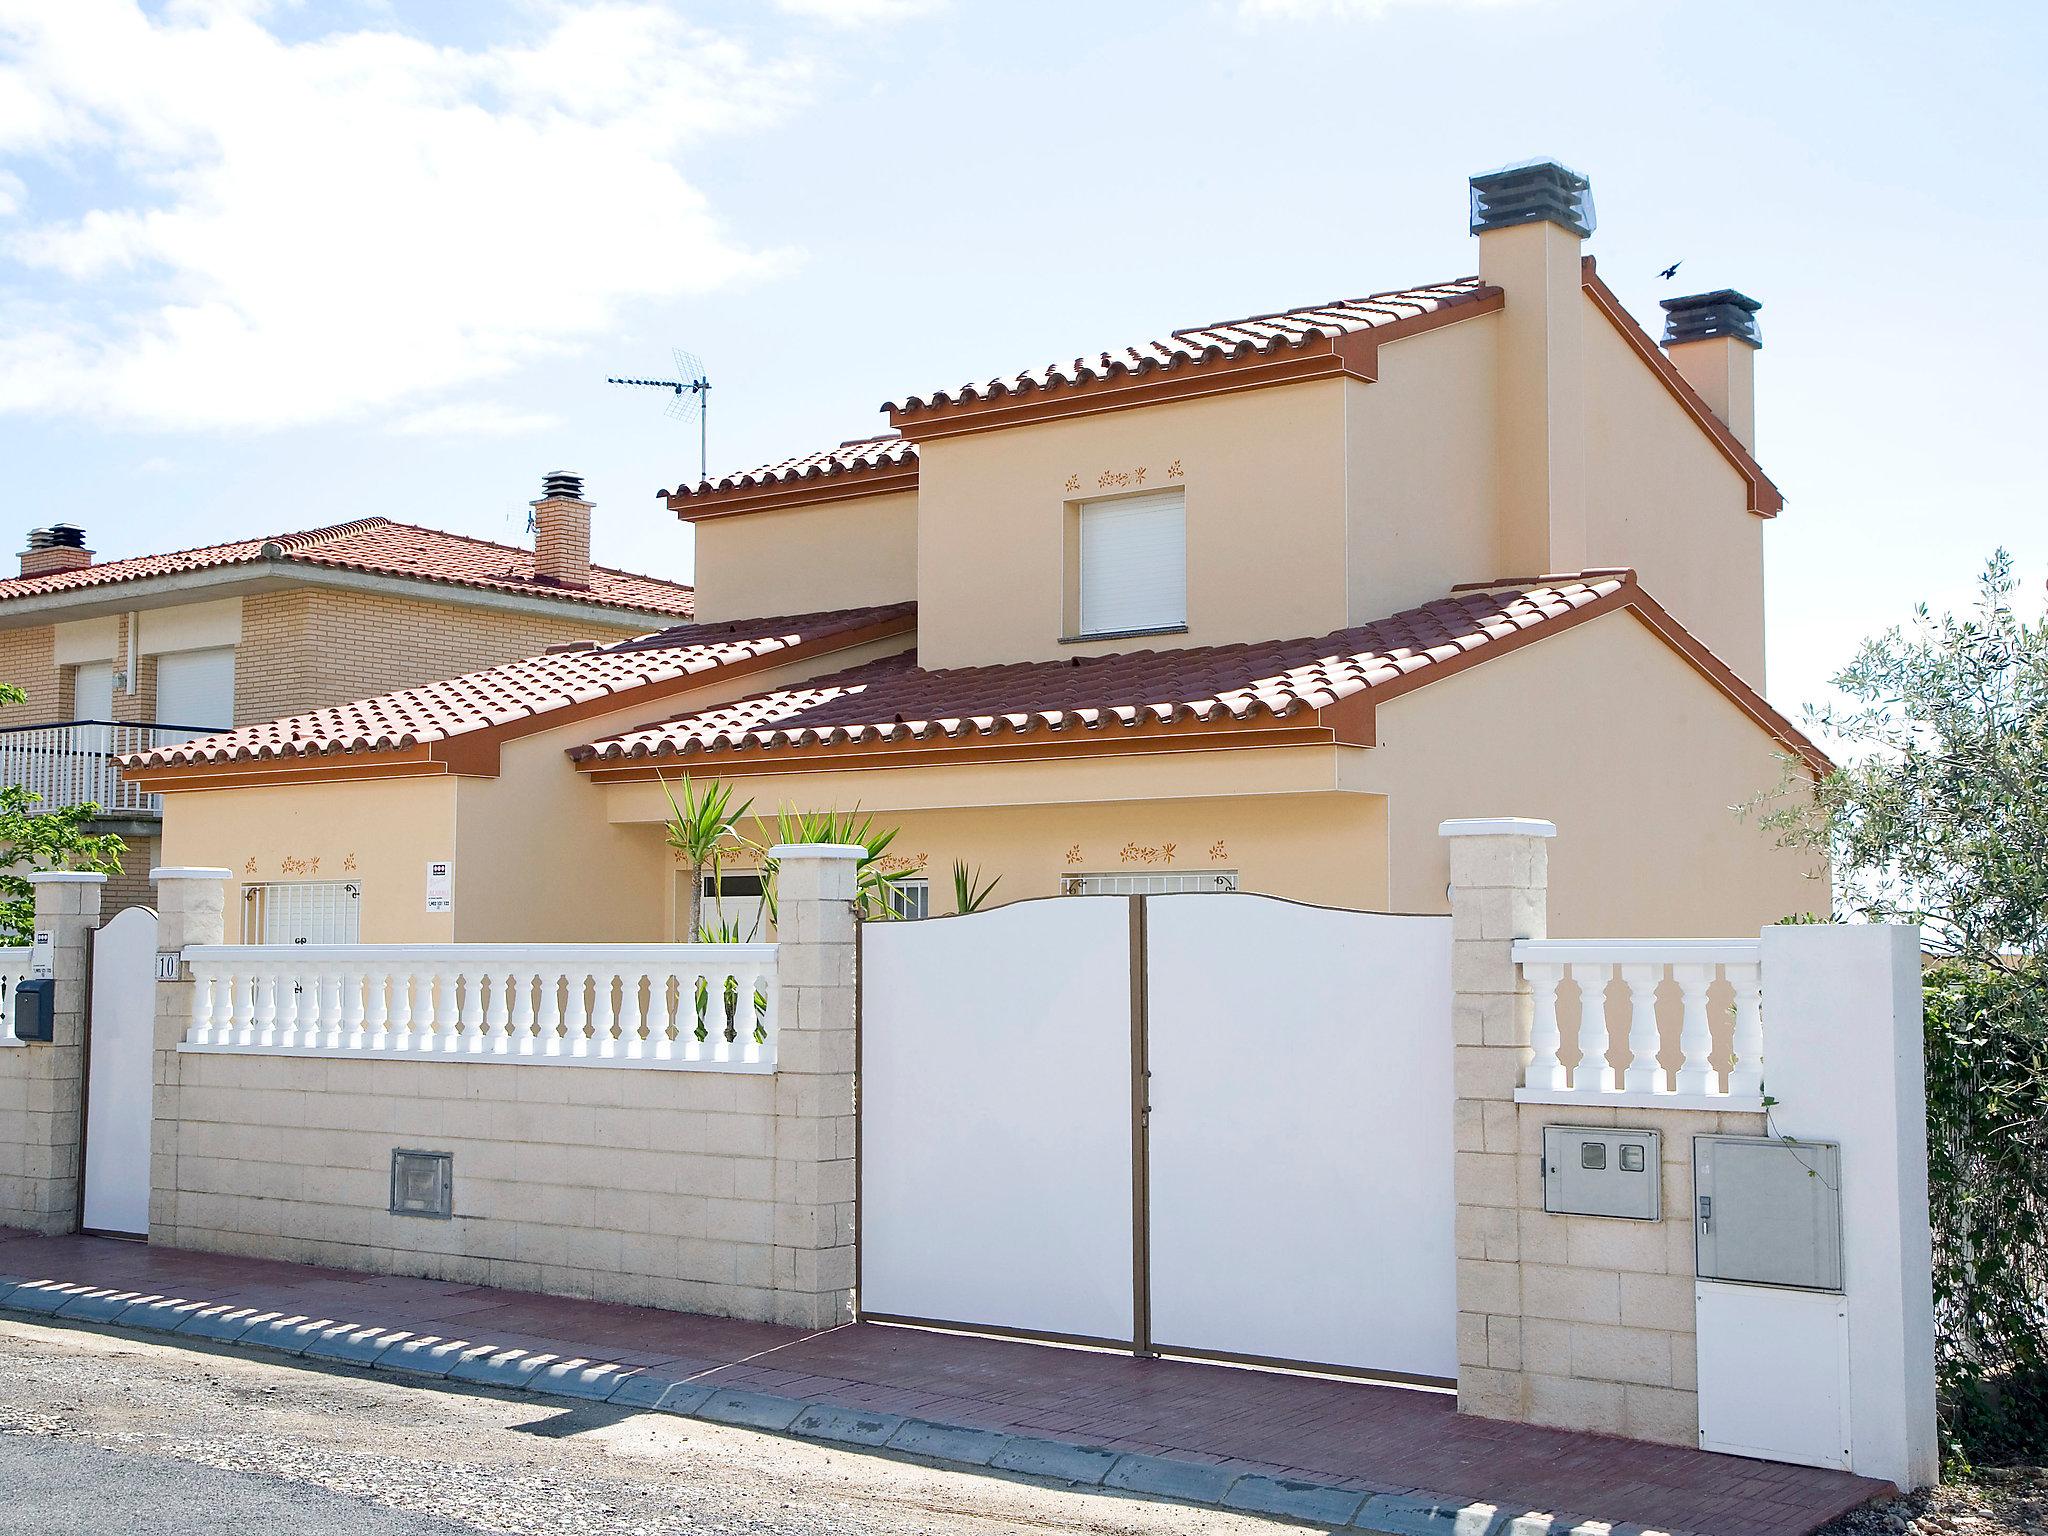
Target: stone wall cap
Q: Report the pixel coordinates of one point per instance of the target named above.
(64, 877)
(1498, 826)
(784, 851)
(191, 872)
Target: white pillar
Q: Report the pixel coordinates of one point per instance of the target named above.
(1843, 1060)
(815, 885)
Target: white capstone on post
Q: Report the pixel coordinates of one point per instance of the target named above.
(191, 907)
(1499, 893)
(816, 885)
(41, 1138)
(1845, 1064)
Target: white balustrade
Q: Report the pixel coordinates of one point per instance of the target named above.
(706, 1007)
(1697, 973)
(13, 971)
(77, 762)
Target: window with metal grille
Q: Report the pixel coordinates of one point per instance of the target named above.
(910, 898)
(301, 912)
(1176, 882)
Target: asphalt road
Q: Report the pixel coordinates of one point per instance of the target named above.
(103, 1432)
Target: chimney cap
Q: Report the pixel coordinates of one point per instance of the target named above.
(1703, 316)
(1532, 192)
(561, 483)
(57, 536)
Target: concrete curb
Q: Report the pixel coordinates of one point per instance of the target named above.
(403, 1354)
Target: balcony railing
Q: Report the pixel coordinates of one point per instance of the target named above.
(74, 762)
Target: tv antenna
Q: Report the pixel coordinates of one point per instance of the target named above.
(692, 392)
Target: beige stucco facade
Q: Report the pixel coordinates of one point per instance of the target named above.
(853, 552)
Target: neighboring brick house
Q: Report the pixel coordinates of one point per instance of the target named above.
(129, 654)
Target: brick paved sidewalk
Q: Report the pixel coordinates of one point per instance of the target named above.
(1382, 1439)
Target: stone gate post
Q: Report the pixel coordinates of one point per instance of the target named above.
(191, 907)
(42, 1104)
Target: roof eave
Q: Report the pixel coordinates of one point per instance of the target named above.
(800, 491)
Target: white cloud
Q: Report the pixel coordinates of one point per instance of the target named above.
(473, 418)
(323, 228)
(1346, 10)
(861, 13)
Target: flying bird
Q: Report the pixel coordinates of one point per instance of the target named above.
(1671, 271)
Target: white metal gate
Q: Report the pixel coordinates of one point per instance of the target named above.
(119, 1074)
(1191, 1124)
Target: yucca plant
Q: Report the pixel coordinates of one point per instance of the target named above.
(874, 886)
(969, 895)
(726, 931)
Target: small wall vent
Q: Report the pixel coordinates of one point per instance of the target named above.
(422, 1183)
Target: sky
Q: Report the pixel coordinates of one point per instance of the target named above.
(265, 266)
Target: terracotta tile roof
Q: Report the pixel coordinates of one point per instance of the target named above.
(520, 690)
(1255, 334)
(855, 456)
(378, 546)
(895, 700)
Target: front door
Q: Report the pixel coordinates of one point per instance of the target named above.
(119, 1047)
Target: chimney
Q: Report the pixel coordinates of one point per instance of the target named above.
(59, 547)
(1712, 339)
(1530, 219)
(561, 537)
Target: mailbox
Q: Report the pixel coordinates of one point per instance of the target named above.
(1768, 1211)
(35, 1009)
(1602, 1171)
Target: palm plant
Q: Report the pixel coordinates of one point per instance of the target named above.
(702, 828)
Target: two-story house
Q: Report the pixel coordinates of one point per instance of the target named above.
(121, 656)
(1251, 605)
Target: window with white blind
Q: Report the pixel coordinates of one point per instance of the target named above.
(1132, 564)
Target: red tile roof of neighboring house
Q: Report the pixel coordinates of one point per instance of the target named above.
(896, 701)
(378, 546)
(1255, 334)
(526, 690)
(859, 455)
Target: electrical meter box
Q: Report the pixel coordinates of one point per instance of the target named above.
(1768, 1211)
(1602, 1171)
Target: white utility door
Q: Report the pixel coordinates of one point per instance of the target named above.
(1301, 1146)
(995, 1105)
(1773, 1372)
(196, 689)
(119, 1074)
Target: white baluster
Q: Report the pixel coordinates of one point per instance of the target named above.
(769, 1021)
(660, 1015)
(497, 1014)
(266, 1008)
(1595, 1074)
(578, 1043)
(427, 1022)
(1695, 1035)
(545, 1037)
(355, 983)
(1747, 1076)
(401, 1009)
(292, 1006)
(472, 1012)
(333, 983)
(1545, 1070)
(377, 1010)
(631, 1047)
(519, 1020)
(200, 1031)
(1644, 1074)
(601, 1042)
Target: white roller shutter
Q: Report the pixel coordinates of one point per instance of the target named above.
(1134, 563)
(196, 689)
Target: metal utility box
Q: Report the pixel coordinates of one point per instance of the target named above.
(35, 1009)
(1768, 1211)
(1591, 1170)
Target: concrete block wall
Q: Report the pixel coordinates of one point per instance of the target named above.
(41, 1085)
(1581, 1322)
(722, 1193)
